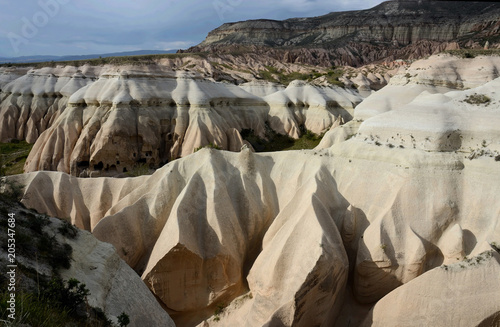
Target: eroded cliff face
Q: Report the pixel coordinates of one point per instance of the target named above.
(30, 101)
(106, 120)
(360, 37)
(286, 238)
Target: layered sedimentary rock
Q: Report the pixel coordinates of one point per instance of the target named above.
(315, 108)
(360, 37)
(130, 117)
(29, 104)
(127, 118)
(399, 195)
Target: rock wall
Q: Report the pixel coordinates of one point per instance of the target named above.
(105, 121)
(31, 103)
(360, 37)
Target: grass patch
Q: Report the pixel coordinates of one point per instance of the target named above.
(216, 64)
(333, 76)
(33, 311)
(210, 146)
(280, 142)
(58, 303)
(13, 155)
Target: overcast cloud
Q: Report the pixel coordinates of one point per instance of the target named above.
(77, 27)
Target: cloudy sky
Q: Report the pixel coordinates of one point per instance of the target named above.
(77, 27)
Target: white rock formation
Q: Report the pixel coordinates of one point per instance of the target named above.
(31, 103)
(130, 117)
(435, 298)
(438, 74)
(105, 121)
(114, 286)
(315, 108)
(279, 236)
(9, 74)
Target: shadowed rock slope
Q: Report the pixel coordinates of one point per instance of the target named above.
(49, 248)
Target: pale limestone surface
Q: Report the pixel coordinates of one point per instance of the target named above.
(276, 234)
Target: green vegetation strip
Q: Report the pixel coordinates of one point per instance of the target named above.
(13, 155)
(279, 142)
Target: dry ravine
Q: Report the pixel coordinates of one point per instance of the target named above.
(397, 208)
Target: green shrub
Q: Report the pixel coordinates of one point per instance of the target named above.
(209, 145)
(36, 222)
(477, 99)
(61, 256)
(139, 170)
(12, 189)
(66, 295)
(68, 230)
(123, 319)
(279, 142)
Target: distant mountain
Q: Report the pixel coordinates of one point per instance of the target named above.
(29, 59)
(398, 29)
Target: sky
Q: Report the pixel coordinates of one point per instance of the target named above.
(79, 27)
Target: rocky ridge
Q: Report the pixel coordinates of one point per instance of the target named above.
(106, 120)
(319, 236)
(360, 37)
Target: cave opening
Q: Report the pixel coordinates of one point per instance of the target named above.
(99, 166)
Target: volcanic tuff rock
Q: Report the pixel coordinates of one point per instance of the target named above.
(461, 286)
(360, 37)
(114, 287)
(284, 238)
(30, 103)
(35, 100)
(117, 117)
